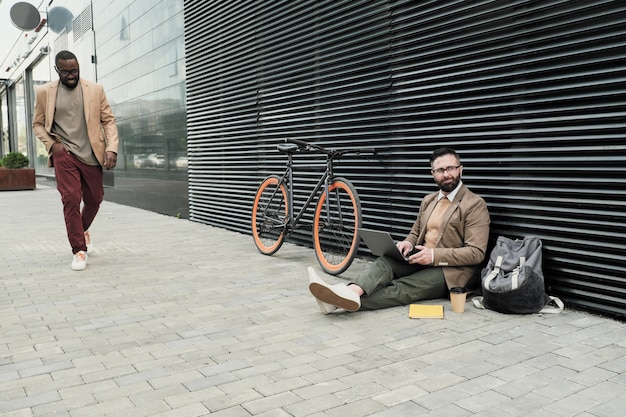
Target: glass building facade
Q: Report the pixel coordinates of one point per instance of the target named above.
(135, 49)
(140, 50)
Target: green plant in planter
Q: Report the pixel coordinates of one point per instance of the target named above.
(14, 160)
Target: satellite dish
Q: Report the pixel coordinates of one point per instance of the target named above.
(59, 18)
(25, 16)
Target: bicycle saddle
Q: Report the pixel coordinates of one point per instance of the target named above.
(287, 147)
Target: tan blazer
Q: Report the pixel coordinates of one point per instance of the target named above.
(100, 120)
(463, 239)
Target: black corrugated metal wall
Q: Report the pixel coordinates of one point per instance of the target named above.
(532, 94)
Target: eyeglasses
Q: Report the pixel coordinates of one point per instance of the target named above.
(65, 73)
(440, 171)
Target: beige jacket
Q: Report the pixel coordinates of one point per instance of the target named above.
(463, 239)
(100, 120)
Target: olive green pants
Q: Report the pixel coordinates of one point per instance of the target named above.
(390, 283)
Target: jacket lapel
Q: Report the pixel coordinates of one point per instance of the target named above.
(453, 206)
(85, 100)
(51, 105)
(428, 210)
(446, 218)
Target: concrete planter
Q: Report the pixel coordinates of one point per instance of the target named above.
(17, 179)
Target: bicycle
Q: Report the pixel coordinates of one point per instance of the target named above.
(337, 216)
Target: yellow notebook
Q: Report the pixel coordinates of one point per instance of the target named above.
(424, 311)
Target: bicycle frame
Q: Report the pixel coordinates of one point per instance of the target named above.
(322, 183)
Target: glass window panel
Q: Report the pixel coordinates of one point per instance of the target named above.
(41, 74)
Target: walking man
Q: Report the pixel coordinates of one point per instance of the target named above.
(74, 121)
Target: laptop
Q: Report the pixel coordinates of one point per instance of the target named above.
(382, 244)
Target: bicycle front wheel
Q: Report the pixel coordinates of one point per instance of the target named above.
(269, 215)
(335, 226)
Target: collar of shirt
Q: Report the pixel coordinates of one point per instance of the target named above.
(451, 194)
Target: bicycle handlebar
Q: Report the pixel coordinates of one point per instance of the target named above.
(310, 147)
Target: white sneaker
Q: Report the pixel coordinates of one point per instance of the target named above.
(331, 297)
(90, 248)
(79, 262)
(325, 307)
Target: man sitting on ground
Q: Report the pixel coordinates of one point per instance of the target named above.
(450, 238)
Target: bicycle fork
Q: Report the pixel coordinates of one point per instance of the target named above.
(327, 183)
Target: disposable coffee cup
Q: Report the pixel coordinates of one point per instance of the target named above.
(457, 298)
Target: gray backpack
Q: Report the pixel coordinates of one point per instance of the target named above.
(513, 282)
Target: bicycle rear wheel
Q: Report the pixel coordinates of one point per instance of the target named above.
(335, 226)
(269, 215)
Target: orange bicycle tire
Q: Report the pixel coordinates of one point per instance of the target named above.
(335, 232)
(269, 215)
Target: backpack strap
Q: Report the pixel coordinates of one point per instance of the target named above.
(478, 302)
(493, 273)
(515, 273)
(554, 306)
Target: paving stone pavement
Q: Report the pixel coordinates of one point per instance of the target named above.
(176, 318)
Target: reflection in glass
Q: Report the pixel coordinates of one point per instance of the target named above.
(40, 74)
(144, 79)
(147, 94)
(20, 118)
(4, 123)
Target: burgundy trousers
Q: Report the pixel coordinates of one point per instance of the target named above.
(78, 182)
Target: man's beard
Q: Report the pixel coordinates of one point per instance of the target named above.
(449, 187)
(70, 86)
